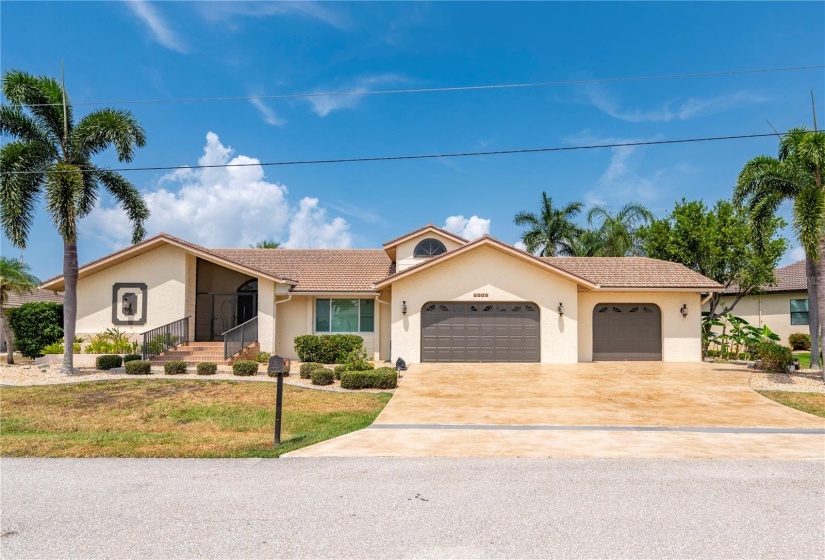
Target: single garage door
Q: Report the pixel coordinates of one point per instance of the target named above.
(627, 331)
(480, 332)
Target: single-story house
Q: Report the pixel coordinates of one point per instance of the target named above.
(16, 299)
(783, 307)
(427, 296)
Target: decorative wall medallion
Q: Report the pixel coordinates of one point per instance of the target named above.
(129, 304)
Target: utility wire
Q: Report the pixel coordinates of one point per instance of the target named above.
(420, 156)
(440, 89)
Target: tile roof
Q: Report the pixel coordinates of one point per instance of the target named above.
(791, 278)
(632, 272)
(16, 299)
(316, 270)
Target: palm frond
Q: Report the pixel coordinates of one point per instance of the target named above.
(42, 96)
(19, 192)
(809, 220)
(104, 128)
(128, 197)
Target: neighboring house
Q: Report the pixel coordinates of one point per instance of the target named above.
(16, 299)
(783, 307)
(426, 296)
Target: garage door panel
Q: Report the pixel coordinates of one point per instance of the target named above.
(627, 332)
(488, 332)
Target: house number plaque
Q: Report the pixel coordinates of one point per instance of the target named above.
(481, 295)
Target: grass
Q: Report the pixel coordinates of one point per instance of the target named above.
(166, 418)
(812, 403)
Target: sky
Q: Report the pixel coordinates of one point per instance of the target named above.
(121, 51)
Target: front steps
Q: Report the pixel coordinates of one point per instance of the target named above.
(194, 353)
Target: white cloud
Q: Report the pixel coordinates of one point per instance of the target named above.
(792, 255)
(269, 115)
(309, 228)
(223, 207)
(323, 105)
(520, 245)
(599, 97)
(161, 31)
(468, 228)
(226, 12)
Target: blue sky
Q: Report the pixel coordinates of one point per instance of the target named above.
(126, 51)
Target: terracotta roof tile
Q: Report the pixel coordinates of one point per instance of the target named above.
(791, 278)
(632, 272)
(316, 270)
(16, 299)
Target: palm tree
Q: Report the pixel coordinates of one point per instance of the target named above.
(589, 243)
(551, 232)
(795, 176)
(50, 156)
(266, 244)
(619, 229)
(14, 277)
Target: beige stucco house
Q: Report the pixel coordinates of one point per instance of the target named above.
(783, 307)
(426, 296)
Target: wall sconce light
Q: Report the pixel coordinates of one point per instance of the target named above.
(404, 308)
(561, 309)
(684, 310)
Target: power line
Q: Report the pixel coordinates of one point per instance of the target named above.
(440, 89)
(423, 156)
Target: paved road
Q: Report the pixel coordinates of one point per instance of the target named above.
(411, 508)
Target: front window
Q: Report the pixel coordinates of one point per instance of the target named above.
(344, 315)
(799, 311)
(429, 248)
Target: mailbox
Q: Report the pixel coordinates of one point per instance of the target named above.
(277, 365)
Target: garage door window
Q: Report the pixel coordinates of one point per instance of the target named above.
(799, 311)
(344, 315)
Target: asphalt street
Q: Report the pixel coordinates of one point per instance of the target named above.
(411, 508)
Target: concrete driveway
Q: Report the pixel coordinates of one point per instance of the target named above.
(609, 409)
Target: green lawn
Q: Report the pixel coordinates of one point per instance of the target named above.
(171, 418)
(812, 403)
(804, 359)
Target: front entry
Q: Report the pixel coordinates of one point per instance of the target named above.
(230, 310)
(480, 332)
(627, 331)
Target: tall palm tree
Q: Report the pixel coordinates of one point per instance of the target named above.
(795, 176)
(619, 230)
(14, 277)
(51, 156)
(551, 232)
(266, 244)
(589, 243)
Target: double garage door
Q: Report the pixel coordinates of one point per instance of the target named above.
(627, 331)
(480, 332)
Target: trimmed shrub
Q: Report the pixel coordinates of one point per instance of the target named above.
(775, 357)
(326, 348)
(108, 361)
(245, 368)
(321, 377)
(175, 367)
(131, 357)
(338, 370)
(800, 341)
(263, 357)
(357, 361)
(138, 367)
(207, 368)
(307, 369)
(381, 378)
(35, 325)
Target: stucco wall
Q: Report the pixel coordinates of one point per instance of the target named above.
(163, 270)
(404, 251)
(267, 315)
(291, 321)
(385, 314)
(681, 336)
(771, 309)
(503, 278)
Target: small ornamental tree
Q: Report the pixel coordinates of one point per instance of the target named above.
(35, 326)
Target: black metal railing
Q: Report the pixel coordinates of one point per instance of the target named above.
(159, 340)
(238, 338)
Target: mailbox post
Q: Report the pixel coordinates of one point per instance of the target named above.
(279, 366)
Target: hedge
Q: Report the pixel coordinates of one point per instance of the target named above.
(775, 357)
(245, 368)
(321, 377)
(108, 361)
(175, 367)
(207, 368)
(138, 367)
(307, 369)
(263, 357)
(381, 378)
(338, 370)
(800, 341)
(326, 348)
(35, 325)
(131, 357)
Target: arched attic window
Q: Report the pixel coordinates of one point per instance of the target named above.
(429, 248)
(249, 286)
